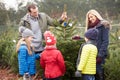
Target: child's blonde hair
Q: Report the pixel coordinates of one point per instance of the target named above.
(28, 44)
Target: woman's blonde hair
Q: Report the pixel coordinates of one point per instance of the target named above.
(94, 12)
(28, 44)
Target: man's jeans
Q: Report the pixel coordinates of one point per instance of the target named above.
(58, 78)
(38, 55)
(88, 77)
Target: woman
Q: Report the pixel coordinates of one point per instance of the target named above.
(94, 20)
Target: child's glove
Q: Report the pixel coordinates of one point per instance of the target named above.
(99, 60)
(78, 74)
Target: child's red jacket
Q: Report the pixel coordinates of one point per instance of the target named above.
(52, 62)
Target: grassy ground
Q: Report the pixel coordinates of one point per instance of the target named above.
(5, 74)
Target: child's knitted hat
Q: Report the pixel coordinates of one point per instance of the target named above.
(92, 34)
(25, 32)
(49, 38)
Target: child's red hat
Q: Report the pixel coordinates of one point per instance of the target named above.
(49, 38)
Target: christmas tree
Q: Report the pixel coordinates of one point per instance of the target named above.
(66, 30)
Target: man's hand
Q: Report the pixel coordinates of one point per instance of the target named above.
(64, 16)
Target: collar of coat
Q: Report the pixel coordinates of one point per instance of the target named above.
(91, 42)
(104, 23)
(49, 47)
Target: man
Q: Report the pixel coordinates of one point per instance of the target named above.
(38, 23)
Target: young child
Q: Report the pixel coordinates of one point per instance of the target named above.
(26, 56)
(87, 64)
(51, 59)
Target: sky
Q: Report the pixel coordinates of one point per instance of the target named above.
(14, 3)
(11, 4)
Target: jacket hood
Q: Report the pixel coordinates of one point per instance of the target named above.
(50, 47)
(106, 24)
(103, 23)
(26, 17)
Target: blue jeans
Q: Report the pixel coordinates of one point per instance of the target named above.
(99, 66)
(100, 70)
(88, 77)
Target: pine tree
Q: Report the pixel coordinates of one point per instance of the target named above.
(66, 30)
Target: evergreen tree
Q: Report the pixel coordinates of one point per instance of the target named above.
(65, 31)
